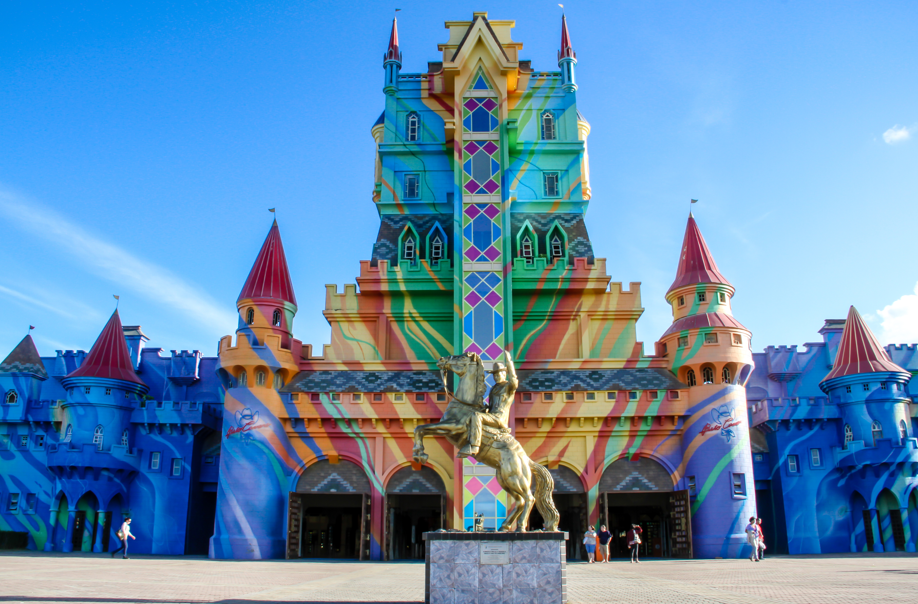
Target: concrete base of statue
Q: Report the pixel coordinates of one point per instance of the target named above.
(495, 568)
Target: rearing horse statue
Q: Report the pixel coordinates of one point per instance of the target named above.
(498, 449)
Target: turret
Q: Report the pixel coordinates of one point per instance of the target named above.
(709, 350)
(392, 62)
(869, 388)
(567, 59)
(267, 303)
(21, 375)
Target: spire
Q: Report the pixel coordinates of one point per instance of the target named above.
(566, 51)
(392, 53)
(108, 357)
(696, 264)
(859, 351)
(24, 359)
(269, 277)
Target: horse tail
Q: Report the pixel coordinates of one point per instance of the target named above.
(544, 485)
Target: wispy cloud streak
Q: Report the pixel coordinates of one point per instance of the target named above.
(115, 264)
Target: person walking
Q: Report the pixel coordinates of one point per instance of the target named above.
(761, 536)
(604, 538)
(752, 536)
(634, 541)
(123, 534)
(589, 541)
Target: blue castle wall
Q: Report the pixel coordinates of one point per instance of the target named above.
(812, 487)
(53, 472)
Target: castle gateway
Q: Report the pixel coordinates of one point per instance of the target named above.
(482, 182)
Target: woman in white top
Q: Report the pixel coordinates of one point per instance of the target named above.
(123, 534)
(589, 541)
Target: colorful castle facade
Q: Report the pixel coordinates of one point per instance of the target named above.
(482, 184)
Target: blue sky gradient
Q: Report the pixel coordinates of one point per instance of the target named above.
(140, 147)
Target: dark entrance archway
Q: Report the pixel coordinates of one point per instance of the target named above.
(641, 492)
(327, 515)
(415, 503)
(570, 499)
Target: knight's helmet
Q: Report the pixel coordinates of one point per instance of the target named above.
(710, 351)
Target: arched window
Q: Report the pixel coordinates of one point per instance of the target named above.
(409, 249)
(413, 127)
(725, 375)
(11, 398)
(548, 126)
(436, 248)
(707, 375)
(849, 436)
(690, 377)
(278, 381)
(876, 430)
(68, 434)
(250, 316)
(526, 250)
(259, 378)
(243, 379)
(276, 319)
(124, 439)
(97, 437)
(903, 430)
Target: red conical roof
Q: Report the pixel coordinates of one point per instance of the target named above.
(566, 50)
(269, 277)
(109, 356)
(24, 359)
(859, 351)
(696, 264)
(392, 53)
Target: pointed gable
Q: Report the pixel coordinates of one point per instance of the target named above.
(269, 277)
(24, 359)
(696, 264)
(859, 351)
(109, 357)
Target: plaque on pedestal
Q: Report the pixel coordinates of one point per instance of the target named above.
(489, 568)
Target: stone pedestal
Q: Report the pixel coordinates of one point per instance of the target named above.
(495, 568)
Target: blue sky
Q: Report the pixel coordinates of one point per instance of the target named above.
(141, 145)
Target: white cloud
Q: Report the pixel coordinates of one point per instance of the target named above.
(115, 264)
(897, 134)
(899, 320)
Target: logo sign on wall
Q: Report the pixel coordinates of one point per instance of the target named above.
(246, 421)
(723, 421)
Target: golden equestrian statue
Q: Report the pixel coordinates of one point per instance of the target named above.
(481, 432)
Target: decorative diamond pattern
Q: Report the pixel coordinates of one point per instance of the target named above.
(479, 115)
(483, 321)
(481, 231)
(480, 168)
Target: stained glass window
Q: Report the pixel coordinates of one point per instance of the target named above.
(481, 168)
(479, 115)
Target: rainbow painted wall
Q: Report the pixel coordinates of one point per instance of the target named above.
(482, 186)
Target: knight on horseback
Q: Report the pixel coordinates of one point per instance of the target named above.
(498, 413)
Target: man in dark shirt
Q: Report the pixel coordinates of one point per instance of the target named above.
(604, 538)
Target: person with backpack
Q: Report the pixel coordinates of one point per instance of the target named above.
(123, 534)
(761, 539)
(634, 541)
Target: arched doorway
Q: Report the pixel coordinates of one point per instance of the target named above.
(641, 492)
(327, 513)
(861, 528)
(116, 517)
(415, 503)
(61, 520)
(570, 499)
(889, 515)
(84, 523)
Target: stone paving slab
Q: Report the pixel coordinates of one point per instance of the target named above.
(53, 578)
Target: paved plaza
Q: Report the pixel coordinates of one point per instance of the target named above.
(96, 578)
